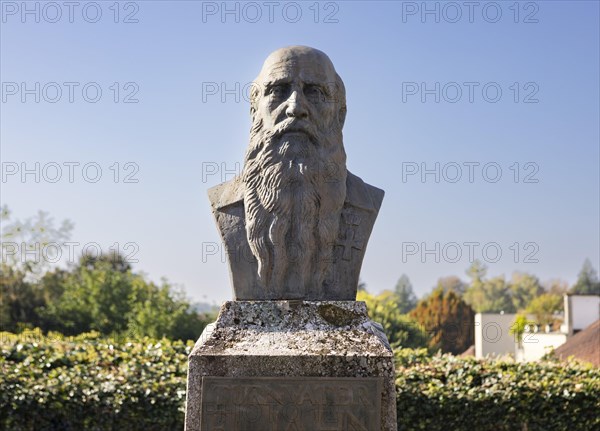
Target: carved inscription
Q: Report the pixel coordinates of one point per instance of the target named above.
(294, 404)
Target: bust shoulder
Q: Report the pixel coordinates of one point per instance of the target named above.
(358, 194)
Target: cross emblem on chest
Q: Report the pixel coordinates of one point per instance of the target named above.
(350, 240)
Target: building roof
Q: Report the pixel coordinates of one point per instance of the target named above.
(584, 346)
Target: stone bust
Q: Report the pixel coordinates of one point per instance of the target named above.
(295, 223)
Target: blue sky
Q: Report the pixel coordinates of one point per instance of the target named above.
(179, 132)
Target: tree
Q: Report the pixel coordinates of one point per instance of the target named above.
(95, 297)
(518, 327)
(405, 296)
(489, 296)
(399, 328)
(19, 300)
(104, 295)
(544, 308)
(28, 248)
(448, 320)
(477, 271)
(523, 289)
(116, 261)
(100, 293)
(162, 311)
(451, 282)
(587, 281)
(33, 245)
(556, 286)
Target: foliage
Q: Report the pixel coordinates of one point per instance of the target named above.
(544, 308)
(587, 281)
(405, 296)
(31, 246)
(159, 311)
(97, 294)
(487, 295)
(464, 394)
(477, 271)
(90, 382)
(95, 297)
(556, 286)
(398, 327)
(451, 282)
(406, 357)
(448, 320)
(490, 296)
(518, 327)
(523, 289)
(19, 299)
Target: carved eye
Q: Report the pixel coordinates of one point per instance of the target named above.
(280, 91)
(313, 93)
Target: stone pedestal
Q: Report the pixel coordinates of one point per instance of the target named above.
(291, 365)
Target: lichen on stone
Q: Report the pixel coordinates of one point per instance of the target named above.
(337, 316)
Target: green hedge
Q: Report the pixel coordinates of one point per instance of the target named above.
(452, 393)
(91, 383)
(96, 383)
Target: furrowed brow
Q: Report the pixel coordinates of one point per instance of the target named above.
(270, 84)
(327, 87)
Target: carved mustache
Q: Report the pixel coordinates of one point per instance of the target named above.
(293, 125)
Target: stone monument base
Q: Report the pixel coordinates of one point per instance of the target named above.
(291, 365)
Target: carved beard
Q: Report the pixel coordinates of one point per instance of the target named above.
(295, 187)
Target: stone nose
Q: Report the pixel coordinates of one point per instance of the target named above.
(296, 106)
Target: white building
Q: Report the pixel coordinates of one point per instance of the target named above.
(493, 337)
(536, 344)
(580, 312)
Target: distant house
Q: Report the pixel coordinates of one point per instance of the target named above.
(493, 337)
(580, 312)
(536, 344)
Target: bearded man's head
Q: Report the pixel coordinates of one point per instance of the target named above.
(295, 170)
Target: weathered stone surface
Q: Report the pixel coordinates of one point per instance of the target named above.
(282, 403)
(292, 339)
(295, 224)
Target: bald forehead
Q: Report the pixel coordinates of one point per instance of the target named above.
(308, 64)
